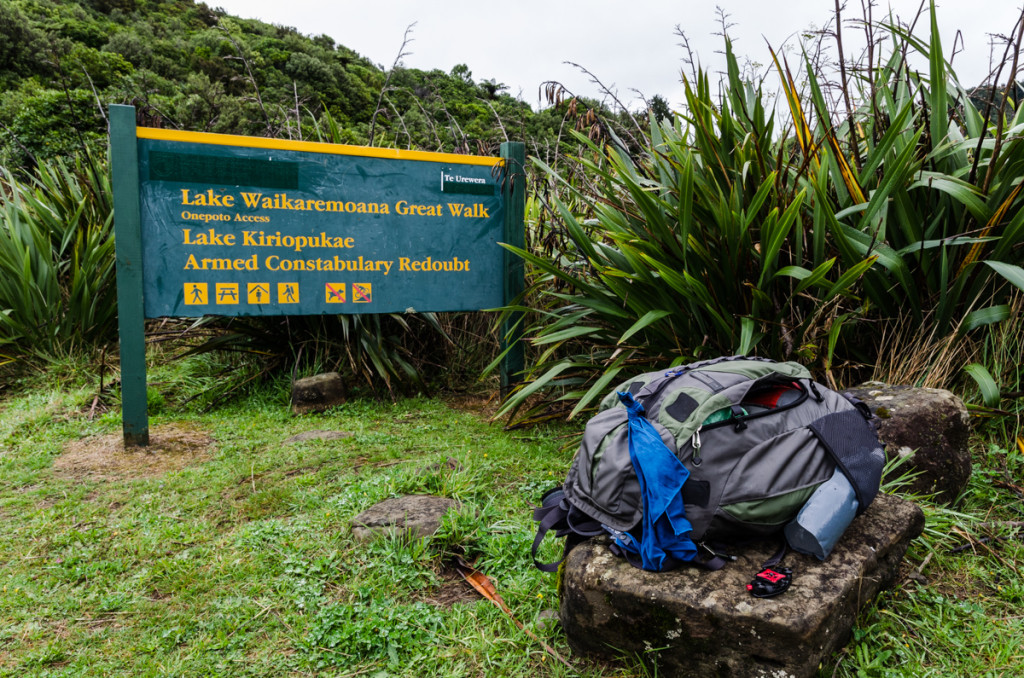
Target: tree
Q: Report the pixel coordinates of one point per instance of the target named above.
(659, 108)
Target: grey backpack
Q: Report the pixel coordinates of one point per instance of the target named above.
(757, 438)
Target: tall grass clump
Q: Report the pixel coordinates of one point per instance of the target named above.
(926, 179)
(57, 291)
(818, 233)
(379, 354)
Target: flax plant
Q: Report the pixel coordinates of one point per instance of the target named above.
(697, 244)
(813, 239)
(57, 292)
(924, 180)
(927, 180)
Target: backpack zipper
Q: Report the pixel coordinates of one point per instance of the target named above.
(696, 460)
(736, 421)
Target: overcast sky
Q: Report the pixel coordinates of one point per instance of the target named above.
(628, 44)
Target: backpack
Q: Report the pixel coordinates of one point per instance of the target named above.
(720, 451)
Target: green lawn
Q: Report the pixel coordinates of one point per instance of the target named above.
(228, 552)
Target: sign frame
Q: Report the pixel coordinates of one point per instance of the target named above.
(126, 139)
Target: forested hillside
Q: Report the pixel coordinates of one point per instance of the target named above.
(188, 66)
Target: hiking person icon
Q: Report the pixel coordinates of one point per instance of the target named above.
(288, 292)
(196, 294)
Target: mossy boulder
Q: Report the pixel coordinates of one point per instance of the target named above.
(929, 428)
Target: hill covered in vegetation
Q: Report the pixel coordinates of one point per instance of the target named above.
(187, 66)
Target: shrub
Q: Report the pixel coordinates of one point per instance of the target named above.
(57, 289)
(719, 234)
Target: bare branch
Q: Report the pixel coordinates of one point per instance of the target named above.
(99, 104)
(401, 119)
(846, 85)
(380, 99)
(496, 117)
(298, 116)
(594, 79)
(1011, 84)
(689, 60)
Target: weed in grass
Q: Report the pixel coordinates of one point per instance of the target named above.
(462, 530)
(308, 578)
(372, 629)
(259, 535)
(394, 564)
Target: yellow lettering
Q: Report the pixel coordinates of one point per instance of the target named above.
(218, 264)
(404, 208)
(252, 199)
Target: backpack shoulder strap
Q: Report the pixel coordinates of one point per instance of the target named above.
(556, 513)
(852, 442)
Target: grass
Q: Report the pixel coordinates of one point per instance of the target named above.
(236, 559)
(963, 615)
(241, 563)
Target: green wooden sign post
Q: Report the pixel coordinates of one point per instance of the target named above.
(124, 162)
(210, 224)
(514, 187)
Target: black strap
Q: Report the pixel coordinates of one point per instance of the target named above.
(861, 406)
(777, 556)
(583, 525)
(556, 513)
(713, 563)
(552, 517)
(709, 560)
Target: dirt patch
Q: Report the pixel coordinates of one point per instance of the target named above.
(453, 590)
(171, 447)
(484, 404)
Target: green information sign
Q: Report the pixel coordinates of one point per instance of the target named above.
(210, 224)
(292, 228)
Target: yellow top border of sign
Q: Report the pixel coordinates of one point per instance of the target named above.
(311, 147)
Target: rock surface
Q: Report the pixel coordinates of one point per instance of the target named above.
(418, 514)
(707, 622)
(318, 393)
(929, 427)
